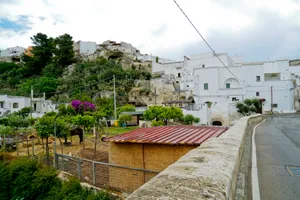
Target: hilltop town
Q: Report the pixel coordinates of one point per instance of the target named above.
(199, 84)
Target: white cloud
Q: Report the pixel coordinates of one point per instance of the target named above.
(138, 21)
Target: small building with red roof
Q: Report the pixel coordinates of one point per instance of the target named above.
(155, 148)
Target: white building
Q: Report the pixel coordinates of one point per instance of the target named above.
(204, 76)
(85, 48)
(12, 51)
(124, 47)
(11, 104)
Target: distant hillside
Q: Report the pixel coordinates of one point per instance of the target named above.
(56, 70)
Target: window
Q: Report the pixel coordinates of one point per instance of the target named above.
(203, 66)
(257, 78)
(1, 104)
(257, 94)
(233, 99)
(205, 86)
(15, 105)
(227, 85)
(275, 105)
(34, 107)
(178, 74)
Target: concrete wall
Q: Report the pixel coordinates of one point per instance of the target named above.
(207, 172)
(145, 156)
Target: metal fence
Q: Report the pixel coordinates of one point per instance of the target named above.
(104, 175)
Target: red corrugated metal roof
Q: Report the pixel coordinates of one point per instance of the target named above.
(187, 135)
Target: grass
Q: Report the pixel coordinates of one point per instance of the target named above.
(119, 130)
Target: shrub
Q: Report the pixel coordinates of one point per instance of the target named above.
(157, 123)
(189, 119)
(24, 178)
(248, 106)
(124, 119)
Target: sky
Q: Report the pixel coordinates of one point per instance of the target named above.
(257, 30)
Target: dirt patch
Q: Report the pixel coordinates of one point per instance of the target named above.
(100, 155)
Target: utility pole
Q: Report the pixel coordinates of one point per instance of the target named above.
(155, 96)
(272, 99)
(44, 104)
(31, 97)
(115, 103)
(178, 92)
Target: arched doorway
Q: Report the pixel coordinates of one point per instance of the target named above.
(217, 123)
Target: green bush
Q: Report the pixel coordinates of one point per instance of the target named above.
(189, 119)
(157, 123)
(26, 179)
(124, 119)
(248, 106)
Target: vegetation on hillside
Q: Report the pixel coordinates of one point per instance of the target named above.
(55, 70)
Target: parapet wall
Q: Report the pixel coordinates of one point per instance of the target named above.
(207, 172)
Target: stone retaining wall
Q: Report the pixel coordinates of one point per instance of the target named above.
(207, 172)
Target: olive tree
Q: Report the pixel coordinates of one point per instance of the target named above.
(124, 119)
(4, 131)
(45, 128)
(160, 113)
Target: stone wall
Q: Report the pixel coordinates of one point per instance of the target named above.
(207, 172)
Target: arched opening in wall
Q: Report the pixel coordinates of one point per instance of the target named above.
(217, 123)
(231, 83)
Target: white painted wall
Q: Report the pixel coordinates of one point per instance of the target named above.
(42, 106)
(204, 113)
(85, 48)
(12, 51)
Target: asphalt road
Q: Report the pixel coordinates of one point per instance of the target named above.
(278, 146)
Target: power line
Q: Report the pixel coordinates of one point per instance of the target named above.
(206, 41)
(83, 87)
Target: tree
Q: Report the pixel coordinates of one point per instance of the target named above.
(24, 112)
(86, 121)
(42, 50)
(171, 113)
(17, 122)
(52, 70)
(125, 118)
(154, 112)
(66, 110)
(40, 85)
(160, 113)
(45, 128)
(248, 106)
(126, 108)
(81, 107)
(189, 119)
(105, 107)
(64, 52)
(4, 131)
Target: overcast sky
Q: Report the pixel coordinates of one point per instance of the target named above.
(254, 29)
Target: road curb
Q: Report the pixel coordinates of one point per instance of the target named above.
(254, 172)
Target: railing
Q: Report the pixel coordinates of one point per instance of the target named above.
(104, 175)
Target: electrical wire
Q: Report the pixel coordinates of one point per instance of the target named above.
(206, 41)
(85, 86)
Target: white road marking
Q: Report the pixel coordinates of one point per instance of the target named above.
(254, 175)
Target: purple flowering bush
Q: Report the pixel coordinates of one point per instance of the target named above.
(81, 107)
